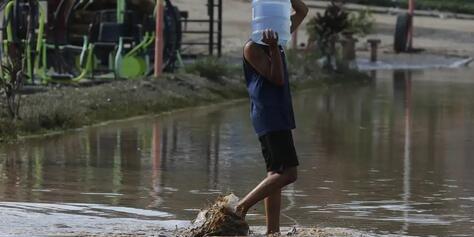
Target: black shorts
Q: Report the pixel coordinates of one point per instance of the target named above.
(279, 150)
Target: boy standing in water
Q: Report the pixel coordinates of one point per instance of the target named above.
(272, 116)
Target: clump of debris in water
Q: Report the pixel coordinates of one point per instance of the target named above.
(219, 219)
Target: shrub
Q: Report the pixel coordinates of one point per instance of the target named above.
(325, 30)
(361, 23)
(11, 81)
(57, 114)
(457, 6)
(8, 130)
(210, 67)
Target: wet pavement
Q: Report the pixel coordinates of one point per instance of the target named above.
(393, 157)
(411, 61)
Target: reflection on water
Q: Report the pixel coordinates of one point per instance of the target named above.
(391, 157)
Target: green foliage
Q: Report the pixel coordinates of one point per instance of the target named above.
(361, 23)
(332, 22)
(325, 30)
(57, 114)
(8, 130)
(210, 67)
(457, 6)
(302, 64)
(11, 80)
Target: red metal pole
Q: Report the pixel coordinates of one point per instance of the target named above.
(159, 44)
(411, 11)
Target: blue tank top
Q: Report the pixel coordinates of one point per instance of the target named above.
(271, 107)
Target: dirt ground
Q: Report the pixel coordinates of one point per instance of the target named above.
(452, 36)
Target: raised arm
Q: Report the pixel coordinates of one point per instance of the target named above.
(268, 65)
(300, 12)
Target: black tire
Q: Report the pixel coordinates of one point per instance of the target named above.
(401, 32)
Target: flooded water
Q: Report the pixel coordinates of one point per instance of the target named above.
(393, 157)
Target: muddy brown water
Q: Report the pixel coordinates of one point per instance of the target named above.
(393, 157)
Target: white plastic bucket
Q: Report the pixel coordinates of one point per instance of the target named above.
(271, 14)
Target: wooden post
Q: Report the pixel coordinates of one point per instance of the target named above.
(159, 44)
(411, 11)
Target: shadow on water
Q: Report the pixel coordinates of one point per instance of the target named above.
(392, 157)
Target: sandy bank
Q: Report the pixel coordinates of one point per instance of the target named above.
(440, 34)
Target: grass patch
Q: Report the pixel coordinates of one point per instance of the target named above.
(457, 6)
(299, 67)
(209, 67)
(8, 130)
(55, 115)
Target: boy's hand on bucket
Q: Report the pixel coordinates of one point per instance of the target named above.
(270, 38)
